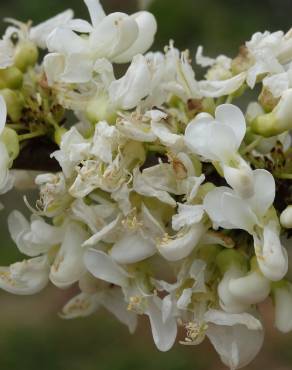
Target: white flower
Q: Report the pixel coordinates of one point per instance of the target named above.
(26, 277)
(111, 298)
(208, 137)
(39, 33)
(116, 37)
(68, 264)
(33, 238)
(270, 52)
(236, 337)
(229, 210)
(127, 92)
(103, 267)
(73, 149)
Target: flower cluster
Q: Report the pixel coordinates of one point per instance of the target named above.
(168, 201)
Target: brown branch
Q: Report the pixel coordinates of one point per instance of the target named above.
(36, 156)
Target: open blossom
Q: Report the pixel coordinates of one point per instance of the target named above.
(207, 137)
(162, 198)
(116, 37)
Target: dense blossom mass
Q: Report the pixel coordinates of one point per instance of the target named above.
(167, 199)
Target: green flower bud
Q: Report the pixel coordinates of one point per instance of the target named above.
(58, 135)
(26, 55)
(11, 78)
(14, 103)
(278, 121)
(228, 258)
(10, 138)
(99, 109)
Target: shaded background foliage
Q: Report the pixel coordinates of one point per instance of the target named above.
(32, 335)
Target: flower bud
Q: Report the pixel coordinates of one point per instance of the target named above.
(58, 135)
(228, 258)
(282, 292)
(10, 78)
(252, 288)
(10, 138)
(99, 109)
(14, 103)
(278, 121)
(26, 55)
(286, 218)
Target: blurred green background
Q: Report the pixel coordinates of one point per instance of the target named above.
(32, 335)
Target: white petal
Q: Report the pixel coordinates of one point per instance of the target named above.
(262, 200)
(277, 84)
(208, 138)
(181, 246)
(78, 69)
(141, 186)
(34, 238)
(68, 266)
(232, 116)
(147, 29)
(25, 278)
(283, 304)
(54, 65)
(203, 61)
(164, 333)
(238, 212)
(227, 319)
(103, 267)
(273, 258)
(165, 135)
(128, 91)
(81, 305)
(132, 248)
(64, 41)
(80, 25)
(3, 114)
(39, 33)
(250, 289)
(113, 35)
(228, 302)
(107, 231)
(95, 10)
(213, 206)
(215, 89)
(113, 300)
(187, 215)
(241, 179)
(236, 345)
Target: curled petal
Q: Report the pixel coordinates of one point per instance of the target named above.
(96, 11)
(236, 337)
(68, 266)
(26, 277)
(164, 332)
(131, 248)
(232, 116)
(39, 33)
(174, 249)
(103, 267)
(80, 306)
(147, 26)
